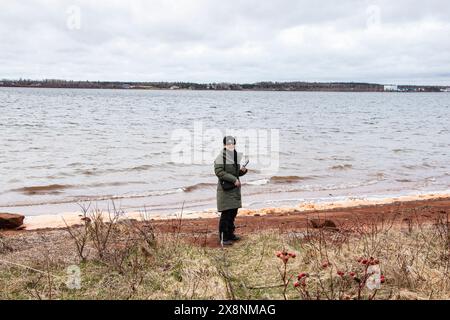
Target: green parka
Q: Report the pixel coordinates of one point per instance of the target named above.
(230, 199)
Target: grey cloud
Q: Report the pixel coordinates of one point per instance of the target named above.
(243, 41)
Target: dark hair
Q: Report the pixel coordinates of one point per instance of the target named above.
(229, 138)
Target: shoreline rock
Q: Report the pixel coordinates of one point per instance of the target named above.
(323, 224)
(11, 220)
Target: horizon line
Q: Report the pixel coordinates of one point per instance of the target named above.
(226, 82)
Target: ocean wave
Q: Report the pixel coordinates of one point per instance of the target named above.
(342, 158)
(331, 187)
(202, 185)
(97, 172)
(143, 167)
(77, 199)
(368, 199)
(403, 180)
(147, 194)
(288, 179)
(309, 187)
(423, 165)
(42, 190)
(411, 166)
(111, 184)
(278, 180)
(403, 150)
(259, 182)
(53, 189)
(341, 167)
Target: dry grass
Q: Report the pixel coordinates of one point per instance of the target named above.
(127, 260)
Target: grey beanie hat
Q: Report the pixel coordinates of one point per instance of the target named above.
(229, 140)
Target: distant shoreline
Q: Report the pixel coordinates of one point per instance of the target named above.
(259, 86)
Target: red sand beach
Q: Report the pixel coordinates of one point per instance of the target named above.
(201, 228)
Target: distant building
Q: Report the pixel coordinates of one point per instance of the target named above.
(445, 90)
(391, 88)
(174, 87)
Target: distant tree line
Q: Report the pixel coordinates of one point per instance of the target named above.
(263, 86)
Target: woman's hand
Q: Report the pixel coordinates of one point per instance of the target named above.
(243, 170)
(237, 183)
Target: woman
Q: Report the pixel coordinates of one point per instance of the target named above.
(228, 170)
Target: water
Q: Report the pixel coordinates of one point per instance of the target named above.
(59, 147)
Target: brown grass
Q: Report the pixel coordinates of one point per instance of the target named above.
(125, 259)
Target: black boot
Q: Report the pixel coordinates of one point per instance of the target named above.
(225, 226)
(227, 243)
(233, 236)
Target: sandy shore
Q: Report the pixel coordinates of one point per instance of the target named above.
(372, 204)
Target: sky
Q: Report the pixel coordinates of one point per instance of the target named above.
(245, 41)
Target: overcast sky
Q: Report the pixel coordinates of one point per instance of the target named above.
(232, 41)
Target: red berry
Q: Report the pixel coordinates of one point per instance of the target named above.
(352, 274)
(382, 279)
(301, 276)
(296, 284)
(364, 261)
(340, 273)
(293, 255)
(325, 265)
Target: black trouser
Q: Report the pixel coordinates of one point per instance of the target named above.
(226, 224)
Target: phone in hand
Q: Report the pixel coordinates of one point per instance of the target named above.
(246, 163)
